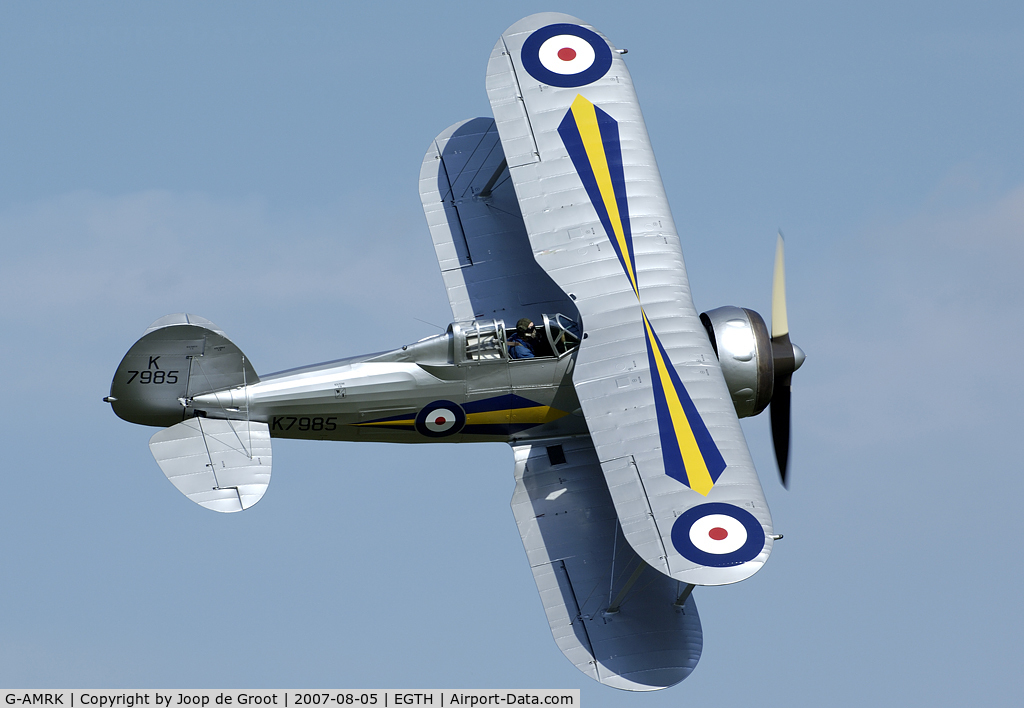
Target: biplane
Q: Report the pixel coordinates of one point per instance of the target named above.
(574, 339)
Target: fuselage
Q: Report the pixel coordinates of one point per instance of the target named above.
(453, 387)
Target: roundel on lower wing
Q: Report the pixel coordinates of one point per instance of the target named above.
(566, 55)
(717, 535)
(440, 418)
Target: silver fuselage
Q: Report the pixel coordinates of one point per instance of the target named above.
(379, 397)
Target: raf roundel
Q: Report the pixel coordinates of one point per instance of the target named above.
(566, 55)
(718, 535)
(440, 419)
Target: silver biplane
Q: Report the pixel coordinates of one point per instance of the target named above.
(575, 340)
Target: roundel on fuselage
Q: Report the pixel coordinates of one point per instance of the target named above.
(440, 419)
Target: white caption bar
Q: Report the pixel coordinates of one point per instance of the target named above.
(291, 698)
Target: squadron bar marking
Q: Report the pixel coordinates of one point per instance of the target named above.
(591, 137)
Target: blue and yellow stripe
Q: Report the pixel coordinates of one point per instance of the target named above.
(591, 137)
(507, 415)
(498, 415)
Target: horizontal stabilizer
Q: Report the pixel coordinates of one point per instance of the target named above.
(223, 465)
(618, 620)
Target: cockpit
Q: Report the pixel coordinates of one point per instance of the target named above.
(489, 340)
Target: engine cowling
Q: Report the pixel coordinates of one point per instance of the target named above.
(744, 349)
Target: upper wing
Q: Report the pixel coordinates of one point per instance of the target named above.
(616, 619)
(599, 224)
(478, 233)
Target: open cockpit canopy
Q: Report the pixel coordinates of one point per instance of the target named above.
(488, 340)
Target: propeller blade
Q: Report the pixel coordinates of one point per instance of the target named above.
(780, 425)
(786, 358)
(780, 323)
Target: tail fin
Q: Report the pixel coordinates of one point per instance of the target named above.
(223, 465)
(178, 357)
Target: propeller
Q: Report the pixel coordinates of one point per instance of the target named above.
(787, 358)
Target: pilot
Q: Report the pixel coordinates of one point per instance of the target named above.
(520, 344)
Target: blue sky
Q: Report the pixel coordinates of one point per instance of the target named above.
(256, 163)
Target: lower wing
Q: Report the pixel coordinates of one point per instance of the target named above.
(617, 619)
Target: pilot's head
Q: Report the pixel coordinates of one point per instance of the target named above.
(525, 327)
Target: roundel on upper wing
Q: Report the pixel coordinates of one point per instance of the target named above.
(566, 55)
(718, 535)
(440, 418)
